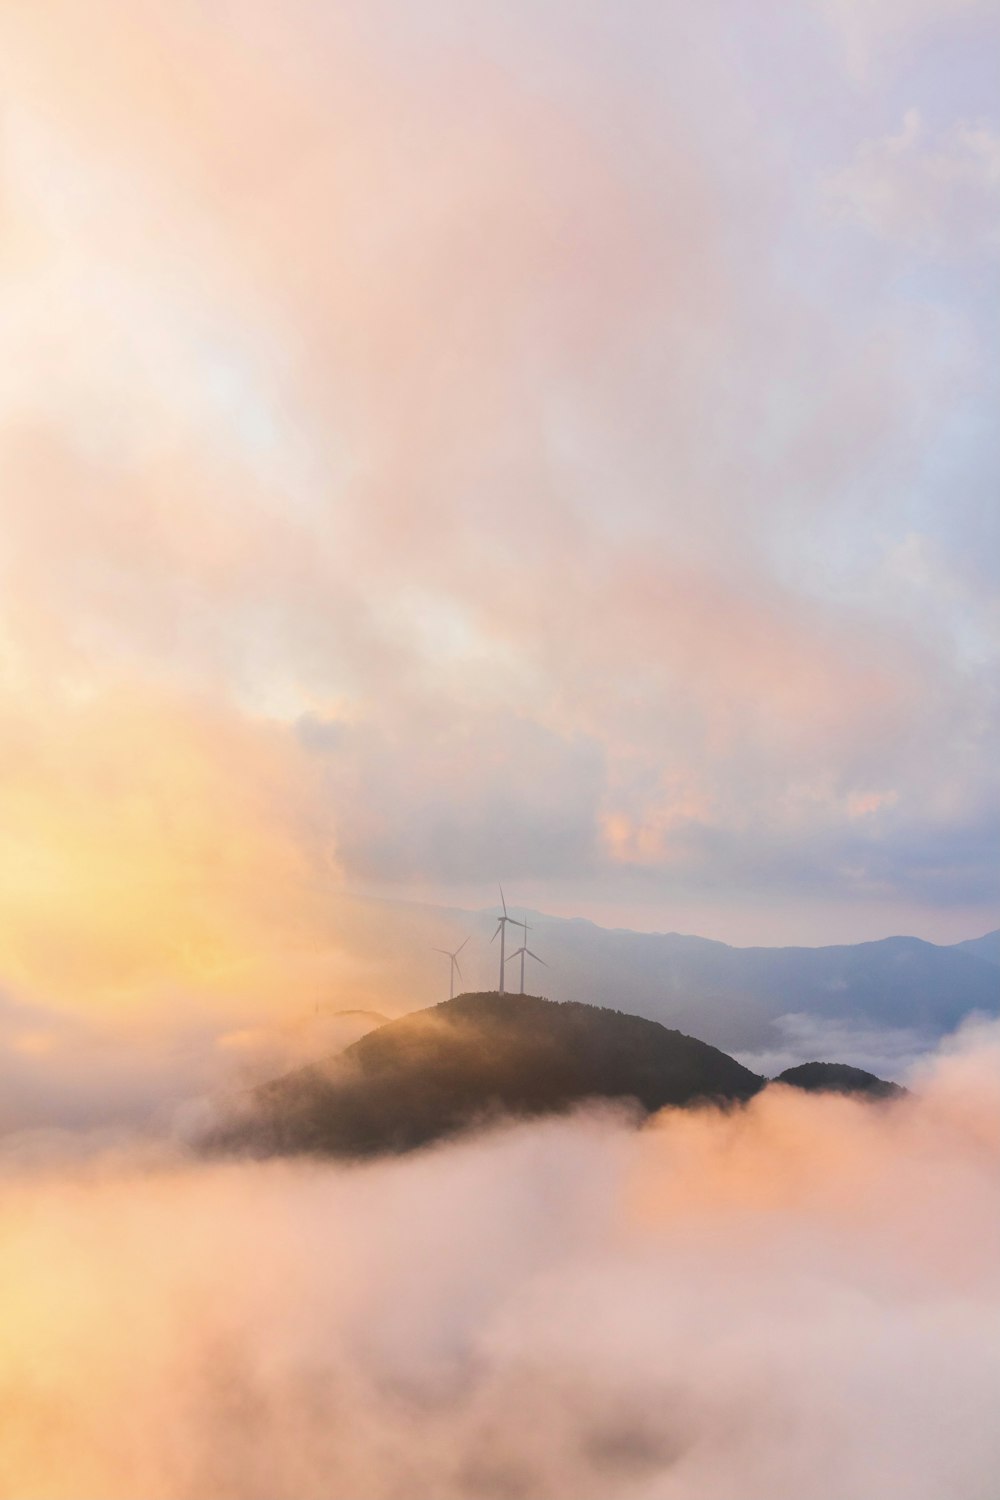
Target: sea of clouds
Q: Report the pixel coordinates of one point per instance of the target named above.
(795, 1300)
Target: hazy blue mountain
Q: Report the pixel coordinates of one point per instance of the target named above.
(733, 996)
(987, 947)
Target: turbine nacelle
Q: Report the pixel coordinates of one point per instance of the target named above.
(518, 951)
(501, 921)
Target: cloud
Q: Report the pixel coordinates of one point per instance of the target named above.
(890, 1052)
(795, 1299)
(155, 848)
(939, 194)
(475, 397)
(496, 789)
(875, 34)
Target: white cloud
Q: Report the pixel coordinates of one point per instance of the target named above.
(936, 192)
(871, 29)
(891, 1052)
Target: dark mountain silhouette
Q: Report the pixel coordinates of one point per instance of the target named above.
(471, 1060)
(838, 1078)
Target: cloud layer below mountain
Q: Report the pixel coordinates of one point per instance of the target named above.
(795, 1301)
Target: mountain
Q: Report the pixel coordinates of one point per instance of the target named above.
(471, 1060)
(732, 996)
(987, 948)
(878, 1005)
(736, 998)
(838, 1078)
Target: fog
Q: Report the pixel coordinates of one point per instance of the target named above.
(796, 1299)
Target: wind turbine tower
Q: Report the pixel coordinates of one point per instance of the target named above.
(525, 952)
(502, 929)
(454, 966)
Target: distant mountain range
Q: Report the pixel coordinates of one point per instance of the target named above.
(731, 995)
(987, 947)
(482, 1057)
(736, 998)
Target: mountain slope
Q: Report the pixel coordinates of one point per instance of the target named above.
(986, 947)
(474, 1058)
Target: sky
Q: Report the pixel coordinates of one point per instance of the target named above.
(533, 441)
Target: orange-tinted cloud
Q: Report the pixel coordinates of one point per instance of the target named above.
(791, 1301)
(432, 404)
(156, 847)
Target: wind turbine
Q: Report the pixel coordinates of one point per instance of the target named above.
(502, 929)
(454, 965)
(525, 950)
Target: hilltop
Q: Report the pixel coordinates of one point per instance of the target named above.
(476, 1058)
(838, 1078)
(472, 1060)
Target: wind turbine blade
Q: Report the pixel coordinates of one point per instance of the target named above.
(441, 950)
(494, 937)
(462, 945)
(516, 954)
(536, 958)
(457, 969)
(503, 902)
